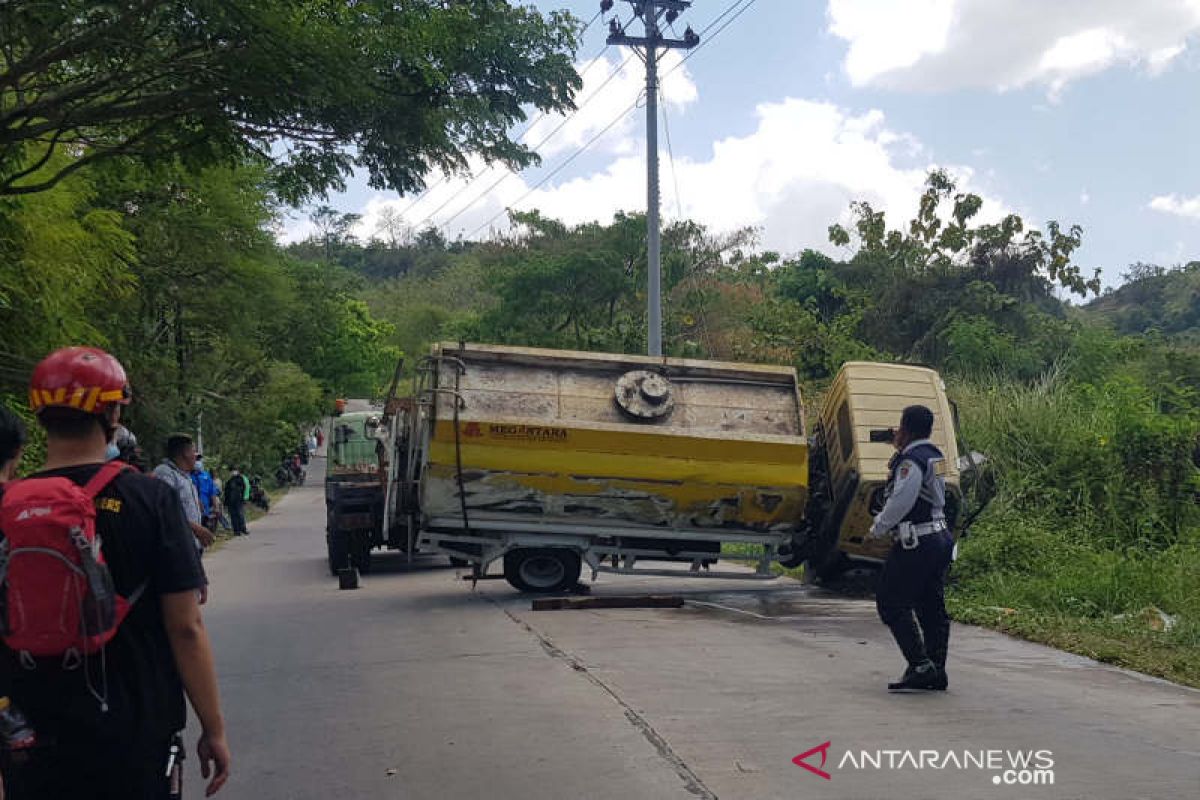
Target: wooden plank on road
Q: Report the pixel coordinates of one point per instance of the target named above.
(618, 601)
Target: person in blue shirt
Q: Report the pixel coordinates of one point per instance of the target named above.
(207, 490)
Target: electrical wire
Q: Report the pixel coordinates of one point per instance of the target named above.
(445, 177)
(546, 138)
(662, 106)
(716, 33)
(560, 167)
(744, 6)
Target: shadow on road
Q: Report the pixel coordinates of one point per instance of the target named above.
(394, 563)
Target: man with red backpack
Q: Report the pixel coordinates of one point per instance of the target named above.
(100, 626)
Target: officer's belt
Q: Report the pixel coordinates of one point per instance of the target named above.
(926, 528)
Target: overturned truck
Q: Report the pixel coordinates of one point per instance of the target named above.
(549, 461)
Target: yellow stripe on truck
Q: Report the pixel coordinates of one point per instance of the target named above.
(637, 455)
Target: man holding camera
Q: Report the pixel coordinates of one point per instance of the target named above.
(911, 595)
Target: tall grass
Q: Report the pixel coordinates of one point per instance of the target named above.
(1096, 521)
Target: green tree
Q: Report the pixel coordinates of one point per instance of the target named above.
(945, 283)
(319, 86)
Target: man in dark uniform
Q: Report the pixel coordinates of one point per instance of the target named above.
(913, 582)
(105, 729)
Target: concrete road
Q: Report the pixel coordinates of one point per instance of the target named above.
(414, 686)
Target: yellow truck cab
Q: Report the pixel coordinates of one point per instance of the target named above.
(849, 464)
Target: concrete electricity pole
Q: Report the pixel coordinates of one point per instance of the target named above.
(648, 46)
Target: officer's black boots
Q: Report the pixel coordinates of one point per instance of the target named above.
(919, 677)
(937, 654)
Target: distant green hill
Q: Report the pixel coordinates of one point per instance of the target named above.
(1154, 299)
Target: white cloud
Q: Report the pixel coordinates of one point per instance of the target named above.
(885, 35)
(462, 203)
(793, 176)
(933, 45)
(601, 99)
(1179, 206)
(292, 228)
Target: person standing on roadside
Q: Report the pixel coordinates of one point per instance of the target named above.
(236, 490)
(106, 724)
(176, 472)
(911, 597)
(12, 443)
(206, 488)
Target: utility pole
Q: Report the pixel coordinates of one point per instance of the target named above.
(648, 46)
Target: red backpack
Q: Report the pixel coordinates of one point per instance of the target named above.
(56, 593)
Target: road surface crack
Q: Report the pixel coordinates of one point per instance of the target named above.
(691, 780)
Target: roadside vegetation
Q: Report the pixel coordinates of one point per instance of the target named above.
(145, 170)
(1088, 411)
(148, 157)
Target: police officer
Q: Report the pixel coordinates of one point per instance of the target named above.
(913, 581)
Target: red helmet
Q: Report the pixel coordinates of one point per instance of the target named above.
(85, 378)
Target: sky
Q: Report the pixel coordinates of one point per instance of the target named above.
(1080, 111)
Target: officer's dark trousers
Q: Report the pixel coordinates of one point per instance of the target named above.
(913, 583)
(237, 517)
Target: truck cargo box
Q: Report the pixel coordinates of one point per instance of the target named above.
(522, 439)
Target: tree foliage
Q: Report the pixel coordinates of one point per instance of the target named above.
(320, 87)
(175, 272)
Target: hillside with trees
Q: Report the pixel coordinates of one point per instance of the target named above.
(141, 186)
(147, 152)
(1091, 421)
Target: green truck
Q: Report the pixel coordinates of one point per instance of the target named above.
(353, 491)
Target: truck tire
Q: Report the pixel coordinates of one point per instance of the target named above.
(339, 551)
(542, 570)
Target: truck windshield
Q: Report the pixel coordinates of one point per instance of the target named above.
(350, 448)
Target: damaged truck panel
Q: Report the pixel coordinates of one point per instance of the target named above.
(542, 434)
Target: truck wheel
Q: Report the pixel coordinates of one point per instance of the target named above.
(542, 570)
(339, 551)
(828, 566)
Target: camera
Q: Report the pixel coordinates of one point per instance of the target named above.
(883, 435)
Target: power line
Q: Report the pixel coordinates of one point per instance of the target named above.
(425, 192)
(730, 9)
(717, 32)
(546, 138)
(671, 156)
(560, 167)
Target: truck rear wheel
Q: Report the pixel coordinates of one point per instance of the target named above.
(542, 570)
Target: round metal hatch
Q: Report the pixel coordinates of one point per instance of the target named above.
(645, 395)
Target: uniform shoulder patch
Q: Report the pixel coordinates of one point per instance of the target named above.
(108, 504)
(904, 468)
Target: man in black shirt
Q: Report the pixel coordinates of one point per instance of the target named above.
(118, 749)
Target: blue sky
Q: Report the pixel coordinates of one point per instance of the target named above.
(1084, 111)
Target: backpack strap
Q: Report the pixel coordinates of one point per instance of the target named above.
(104, 477)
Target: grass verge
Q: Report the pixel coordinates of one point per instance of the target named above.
(253, 513)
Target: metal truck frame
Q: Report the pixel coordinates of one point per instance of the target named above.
(823, 524)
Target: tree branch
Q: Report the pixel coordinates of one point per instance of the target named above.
(8, 189)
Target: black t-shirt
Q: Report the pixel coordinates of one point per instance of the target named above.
(235, 490)
(145, 540)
